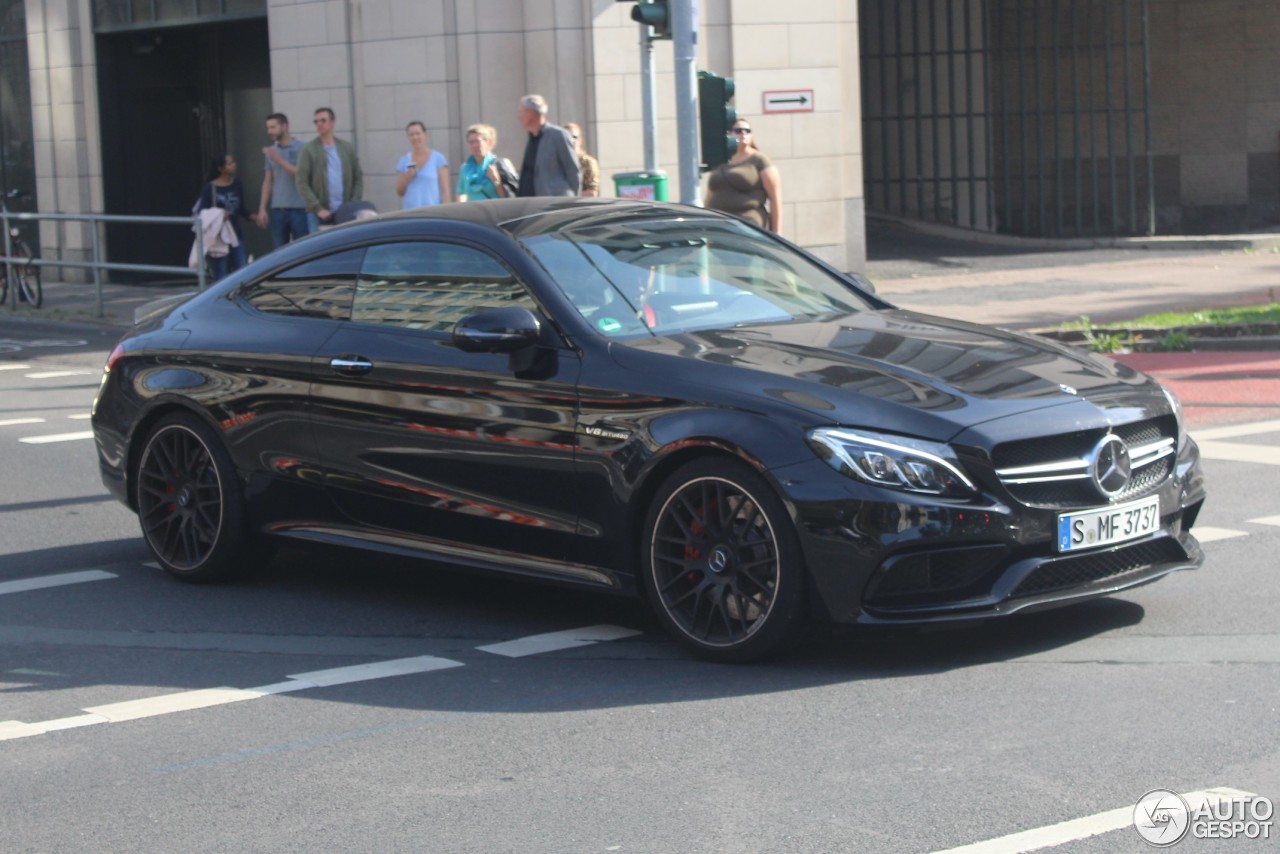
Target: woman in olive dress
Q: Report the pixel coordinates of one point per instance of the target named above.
(748, 185)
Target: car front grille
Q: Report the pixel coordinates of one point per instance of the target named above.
(1052, 471)
(1076, 570)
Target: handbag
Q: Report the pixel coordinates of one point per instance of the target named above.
(507, 175)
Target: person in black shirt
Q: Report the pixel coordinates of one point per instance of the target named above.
(223, 189)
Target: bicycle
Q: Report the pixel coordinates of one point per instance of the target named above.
(25, 273)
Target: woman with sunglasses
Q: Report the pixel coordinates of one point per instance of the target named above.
(748, 185)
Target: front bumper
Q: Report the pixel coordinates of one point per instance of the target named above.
(878, 556)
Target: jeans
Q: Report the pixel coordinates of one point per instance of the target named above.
(288, 224)
(229, 263)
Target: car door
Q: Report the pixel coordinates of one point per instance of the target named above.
(249, 360)
(427, 444)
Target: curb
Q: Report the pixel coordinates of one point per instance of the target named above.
(1266, 240)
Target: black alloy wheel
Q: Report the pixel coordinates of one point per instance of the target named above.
(190, 508)
(722, 563)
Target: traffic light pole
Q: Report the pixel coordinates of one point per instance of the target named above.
(684, 31)
(649, 100)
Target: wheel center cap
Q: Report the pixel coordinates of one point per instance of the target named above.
(718, 560)
(184, 496)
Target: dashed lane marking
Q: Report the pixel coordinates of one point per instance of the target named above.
(552, 641)
(1082, 828)
(183, 701)
(15, 367)
(1236, 452)
(1235, 430)
(80, 416)
(42, 582)
(13, 422)
(57, 437)
(50, 375)
(1266, 520)
(1208, 535)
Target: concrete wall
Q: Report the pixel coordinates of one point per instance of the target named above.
(1216, 113)
(449, 63)
(64, 105)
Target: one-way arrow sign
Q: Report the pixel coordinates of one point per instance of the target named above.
(788, 101)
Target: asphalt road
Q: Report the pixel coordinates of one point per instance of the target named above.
(901, 740)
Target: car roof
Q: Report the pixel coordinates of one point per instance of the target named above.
(537, 213)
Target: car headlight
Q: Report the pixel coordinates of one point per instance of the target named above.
(897, 462)
(1178, 416)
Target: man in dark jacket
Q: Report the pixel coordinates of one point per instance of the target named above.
(550, 166)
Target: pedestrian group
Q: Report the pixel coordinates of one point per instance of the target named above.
(310, 186)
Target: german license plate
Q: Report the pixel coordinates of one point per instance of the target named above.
(1090, 529)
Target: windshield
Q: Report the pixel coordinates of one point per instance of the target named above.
(641, 277)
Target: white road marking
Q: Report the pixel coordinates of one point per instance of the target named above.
(71, 723)
(49, 375)
(41, 582)
(1208, 535)
(12, 422)
(377, 670)
(15, 367)
(1233, 431)
(183, 701)
(1236, 452)
(552, 641)
(17, 729)
(57, 437)
(167, 704)
(1266, 520)
(80, 416)
(1082, 828)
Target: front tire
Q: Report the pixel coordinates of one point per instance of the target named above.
(189, 503)
(722, 563)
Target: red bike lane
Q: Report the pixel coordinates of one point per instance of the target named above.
(1217, 387)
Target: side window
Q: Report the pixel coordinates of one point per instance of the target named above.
(322, 287)
(432, 286)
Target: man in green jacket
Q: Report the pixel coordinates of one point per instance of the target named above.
(328, 172)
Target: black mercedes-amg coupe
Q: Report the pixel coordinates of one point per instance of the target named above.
(644, 398)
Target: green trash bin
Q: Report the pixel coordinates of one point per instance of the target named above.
(650, 186)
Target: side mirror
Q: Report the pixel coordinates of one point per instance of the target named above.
(498, 330)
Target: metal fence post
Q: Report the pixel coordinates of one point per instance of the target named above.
(97, 270)
(200, 265)
(8, 259)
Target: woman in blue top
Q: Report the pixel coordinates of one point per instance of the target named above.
(422, 175)
(223, 189)
(478, 178)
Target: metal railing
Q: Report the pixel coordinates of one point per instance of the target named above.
(96, 264)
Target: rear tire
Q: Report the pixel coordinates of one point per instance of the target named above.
(721, 562)
(190, 505)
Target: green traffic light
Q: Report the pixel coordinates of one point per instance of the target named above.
(655, 14)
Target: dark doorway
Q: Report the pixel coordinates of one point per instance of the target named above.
(172, 99)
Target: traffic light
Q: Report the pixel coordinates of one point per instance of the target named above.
(655, 13)
(715, 118)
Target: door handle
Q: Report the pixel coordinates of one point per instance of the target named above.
(351, 365)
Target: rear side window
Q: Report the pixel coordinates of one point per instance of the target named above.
(321, 287)
(432, 286)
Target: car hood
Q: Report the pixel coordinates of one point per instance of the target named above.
(921, 368)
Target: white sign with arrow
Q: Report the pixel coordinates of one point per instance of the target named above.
(788, 101)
